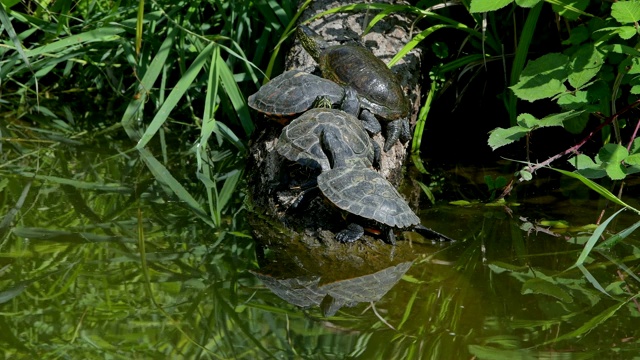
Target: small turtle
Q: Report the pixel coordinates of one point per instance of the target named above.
(378, 88)
(364, 192)
(294, 92)
(300, 140)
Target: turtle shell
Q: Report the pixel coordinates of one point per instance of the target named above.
(294, 92)
(300, 140)
(377, 86)
(364, 192)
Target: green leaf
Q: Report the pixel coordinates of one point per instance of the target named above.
(592, 280)
(575, 100)
(501, 137)
(626, 11)
(593, 239)
(175, 95)
(527, 120)
(610, 242)
(635, 146)
(626, 32)
(585, 65)
(558, 119)
(478, 6)
(611, 156)
(542, 78)
(592, 323)
(578, 35)
(526, 175)
(583, 161)
(527, 3)
(163, 176)
(135, 107)
(570, 9)
(540, 286)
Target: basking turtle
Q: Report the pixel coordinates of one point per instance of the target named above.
(300, 140)
(294, 92)
(364, 192)
(378, 88)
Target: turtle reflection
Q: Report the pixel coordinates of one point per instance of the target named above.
(307, 291)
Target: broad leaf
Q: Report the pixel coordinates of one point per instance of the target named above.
(585, 65)
(540, 286)
(558, 119)
(611, 156)
(626, 11)
(501, 137)
(478, 6)
(570, 9)
(542, 78)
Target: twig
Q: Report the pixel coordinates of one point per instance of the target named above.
(574, 149)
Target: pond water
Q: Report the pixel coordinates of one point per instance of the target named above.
(99, 260)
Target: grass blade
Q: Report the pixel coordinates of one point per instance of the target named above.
(521, 56)
(594, 238)
(163, 176)
(597, 188)
(592, 323)
(6, 23)
(235, 95)
(149, 78)
(176, 94)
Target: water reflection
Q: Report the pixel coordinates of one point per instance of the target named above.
(99, 259)
(306, 291)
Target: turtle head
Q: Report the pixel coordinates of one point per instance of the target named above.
(311, 41)
(333, 147)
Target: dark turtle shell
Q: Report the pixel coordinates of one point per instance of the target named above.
(355, 66)
(294, 92)
(377, 86)
(300, 140)
(364, 192)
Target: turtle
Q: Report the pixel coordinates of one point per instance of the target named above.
(378, 89)
(300, 139)
(294, 92)
(364, 192)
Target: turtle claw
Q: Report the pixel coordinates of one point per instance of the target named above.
(405, 130)
(371, 124)
(397, 130)
(352, 233)
(394, 129)
(377, 157)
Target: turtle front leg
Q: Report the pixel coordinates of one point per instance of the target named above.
(350, 102)
(371, 124)
(352, 233)
(397, 130)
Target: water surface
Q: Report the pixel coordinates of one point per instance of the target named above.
(100, 259)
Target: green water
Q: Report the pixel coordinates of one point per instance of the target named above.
(99, 260)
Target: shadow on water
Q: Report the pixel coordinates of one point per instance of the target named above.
(98, 261)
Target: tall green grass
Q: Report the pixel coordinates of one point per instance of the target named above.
(165, 72)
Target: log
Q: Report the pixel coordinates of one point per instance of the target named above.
(274, 219)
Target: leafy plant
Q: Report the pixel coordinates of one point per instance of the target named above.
(599, 63)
